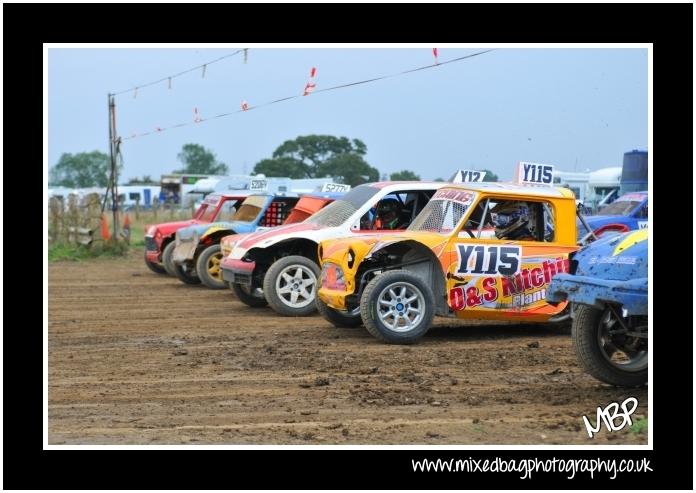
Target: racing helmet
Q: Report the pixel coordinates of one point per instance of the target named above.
(387, 214)
(511, 220)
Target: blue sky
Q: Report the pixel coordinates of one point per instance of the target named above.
(573, 108)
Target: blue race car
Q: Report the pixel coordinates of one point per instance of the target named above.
(608, 290)
(628, 212)
(261, 211)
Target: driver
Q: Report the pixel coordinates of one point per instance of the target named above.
(388, 214)
(512, 221)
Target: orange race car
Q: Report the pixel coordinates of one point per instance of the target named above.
(476, 251)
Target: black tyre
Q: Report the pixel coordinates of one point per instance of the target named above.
(291, 284)
(155, 267)
(254, 300)
(167, 258)
(186, 273)
(397, 307)
(338, 318)
(208, 267)
(616, 359)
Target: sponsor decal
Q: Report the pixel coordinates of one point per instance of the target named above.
(613, 260)
(501, 281)
(461, 196)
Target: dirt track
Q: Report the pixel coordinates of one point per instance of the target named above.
(139, 358)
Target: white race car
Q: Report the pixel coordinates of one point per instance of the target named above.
(280, 267)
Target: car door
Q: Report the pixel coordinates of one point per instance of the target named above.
(502, 277)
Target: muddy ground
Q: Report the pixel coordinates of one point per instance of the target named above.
(140, 358)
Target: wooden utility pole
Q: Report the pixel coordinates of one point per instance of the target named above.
(113, 150)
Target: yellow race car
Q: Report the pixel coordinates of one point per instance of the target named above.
(476, 251)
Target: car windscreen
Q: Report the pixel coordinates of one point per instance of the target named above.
(250, 208)
(442, 214)
(202, 211)
(619, 208)
(208, 213)
(338, 212)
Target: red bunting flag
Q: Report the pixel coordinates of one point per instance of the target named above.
(435, 54)
(309, 87)
(245, 105)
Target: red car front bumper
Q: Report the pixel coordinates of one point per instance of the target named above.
(237, 271)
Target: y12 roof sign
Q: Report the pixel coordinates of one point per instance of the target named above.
(467, 175)
(534, 174)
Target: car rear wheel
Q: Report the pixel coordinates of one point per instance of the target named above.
(251, 297)
(290, 286)
(397, 307)
(341, 319)
(208, 267)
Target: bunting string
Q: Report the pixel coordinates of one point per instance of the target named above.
(309, 89)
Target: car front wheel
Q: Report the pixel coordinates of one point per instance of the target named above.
(167, 258)
(397, 307)
(208, 267)
(290, 286)
(607, 350)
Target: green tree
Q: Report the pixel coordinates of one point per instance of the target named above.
(282, 166)
(317, 156)
(200, 161)
(84, 169)
(439, 179)
(349, 168)
(404, 175)
(490, 176)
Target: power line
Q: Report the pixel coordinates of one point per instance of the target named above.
(198, 119)
(169, 78)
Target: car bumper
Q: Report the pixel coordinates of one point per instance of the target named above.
(153, 257)
(335, 298)
(632, 295)
(237, 271)
(184, 251)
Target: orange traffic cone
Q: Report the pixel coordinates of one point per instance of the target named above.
(105, 228)
(126, 228)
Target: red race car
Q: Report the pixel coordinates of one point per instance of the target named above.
(159, 238)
